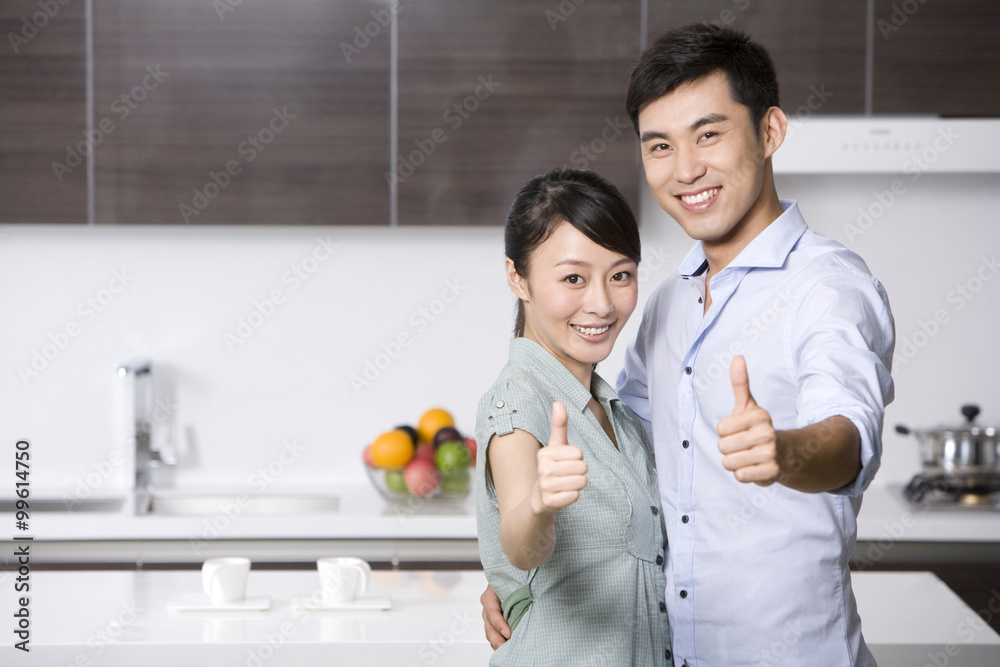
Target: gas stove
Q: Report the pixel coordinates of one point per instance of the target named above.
(939, 493)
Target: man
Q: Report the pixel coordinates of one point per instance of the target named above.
(757, 571)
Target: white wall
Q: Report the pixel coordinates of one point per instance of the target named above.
(232, 411)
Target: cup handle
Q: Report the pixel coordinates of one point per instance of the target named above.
(365, 571)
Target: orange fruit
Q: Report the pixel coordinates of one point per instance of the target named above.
(392, 449)
(433, 421)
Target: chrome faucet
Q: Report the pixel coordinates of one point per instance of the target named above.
(138, 374)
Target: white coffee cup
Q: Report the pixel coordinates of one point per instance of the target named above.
(343, 579)
(224, 580)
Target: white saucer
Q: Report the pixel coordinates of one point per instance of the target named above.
(201, 602)
(366, 602)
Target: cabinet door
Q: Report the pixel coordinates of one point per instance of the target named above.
(492, 94)
(43, 113)
(937, 57)
(818, 48)
(252, 112)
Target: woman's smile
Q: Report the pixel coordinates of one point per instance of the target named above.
(593, 333)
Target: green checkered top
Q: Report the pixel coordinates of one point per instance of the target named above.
(598, 600)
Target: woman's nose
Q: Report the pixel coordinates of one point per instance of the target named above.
(599, 301)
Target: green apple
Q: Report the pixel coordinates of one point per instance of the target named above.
(456, 481)
(394, 480)
(451, 456)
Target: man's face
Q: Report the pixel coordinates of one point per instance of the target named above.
(704, 162)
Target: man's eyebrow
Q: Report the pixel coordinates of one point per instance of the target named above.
(704, 120)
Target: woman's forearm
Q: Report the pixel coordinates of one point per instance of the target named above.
(527, 533)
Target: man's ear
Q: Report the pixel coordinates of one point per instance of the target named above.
(516, 282)
(772, 130)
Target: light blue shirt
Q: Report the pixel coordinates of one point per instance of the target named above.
(759, 575)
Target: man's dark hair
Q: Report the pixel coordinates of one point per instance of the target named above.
(686, 54)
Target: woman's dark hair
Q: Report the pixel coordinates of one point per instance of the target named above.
(686, 54)
(590, 203)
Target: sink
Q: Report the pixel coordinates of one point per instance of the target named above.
(65, 505)
(195, 504)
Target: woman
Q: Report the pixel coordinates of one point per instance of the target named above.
(571, 534)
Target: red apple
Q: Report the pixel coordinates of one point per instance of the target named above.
(421, 477)
(425, 451)
(367, 456)
(471, 444)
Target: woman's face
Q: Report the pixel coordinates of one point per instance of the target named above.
(577, 299)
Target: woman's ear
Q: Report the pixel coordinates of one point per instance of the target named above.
(516, 283)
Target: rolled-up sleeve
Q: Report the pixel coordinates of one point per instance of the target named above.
(841, 337)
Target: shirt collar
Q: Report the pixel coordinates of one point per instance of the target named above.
(532, 357)
(769, 249)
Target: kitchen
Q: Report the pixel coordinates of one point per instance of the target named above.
(266, 350)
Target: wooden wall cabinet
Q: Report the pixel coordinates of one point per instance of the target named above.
(940, 58)
(43, 117)
(412, 113)
(248, 115)
(492, 94)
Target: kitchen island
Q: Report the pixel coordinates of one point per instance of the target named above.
(116, 618)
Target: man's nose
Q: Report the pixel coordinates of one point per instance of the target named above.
(688, 166)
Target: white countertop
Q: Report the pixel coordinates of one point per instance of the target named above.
(363, 514)
(117, 618)
(887, 515)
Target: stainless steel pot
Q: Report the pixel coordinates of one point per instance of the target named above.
(967, 456)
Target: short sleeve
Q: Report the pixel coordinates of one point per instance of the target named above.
(514, 403)
(842, 339)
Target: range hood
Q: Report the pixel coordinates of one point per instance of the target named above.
(889, 145)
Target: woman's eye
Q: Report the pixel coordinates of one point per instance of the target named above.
(622, 275)
(709, 135)
(573, 279)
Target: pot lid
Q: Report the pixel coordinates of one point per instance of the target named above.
(969, 411)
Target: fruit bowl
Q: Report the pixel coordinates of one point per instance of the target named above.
(430, 465)
(386, 482)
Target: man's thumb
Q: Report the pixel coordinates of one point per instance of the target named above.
(557, 436)
(741, 384)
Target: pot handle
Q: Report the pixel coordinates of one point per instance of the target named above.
(970, 412)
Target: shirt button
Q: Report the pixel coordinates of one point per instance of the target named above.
(659, 561)
(654, 510)
(684, 594)
(688, 370)
(663, 608)
(499, 404)
(700, 300)
(668, 654)
(685, 444)
(685, 519)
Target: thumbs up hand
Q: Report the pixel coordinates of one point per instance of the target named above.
(747, 438)
(562, 472)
